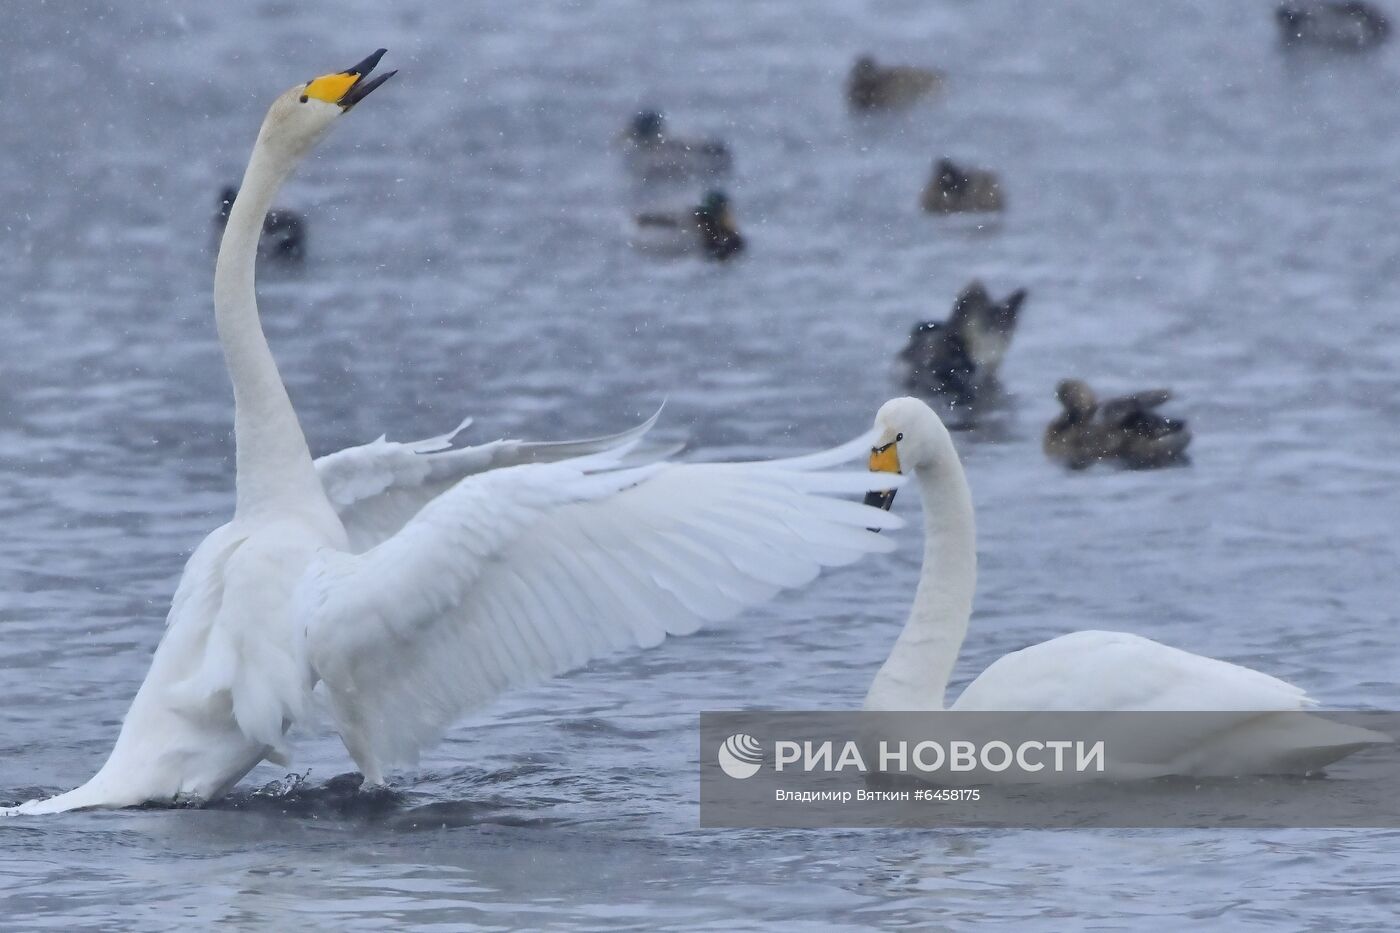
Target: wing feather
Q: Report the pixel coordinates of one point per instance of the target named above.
(377, 487)
(520, 573)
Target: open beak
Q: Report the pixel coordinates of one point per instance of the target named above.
(883, 460)
(347, 88)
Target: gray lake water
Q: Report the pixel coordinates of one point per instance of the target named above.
(1188, 205)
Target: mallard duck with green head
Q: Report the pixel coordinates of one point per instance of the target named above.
(707, 229)
(652, 153)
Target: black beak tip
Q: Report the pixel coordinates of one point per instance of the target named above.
(880, 499)
(368, 64)
(362, 89)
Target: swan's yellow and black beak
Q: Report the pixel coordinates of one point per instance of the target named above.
(883, 460)
(347, 88)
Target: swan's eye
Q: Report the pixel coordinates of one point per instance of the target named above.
(898, 438)
(304, 98)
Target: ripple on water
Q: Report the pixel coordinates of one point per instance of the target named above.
(1187, 206)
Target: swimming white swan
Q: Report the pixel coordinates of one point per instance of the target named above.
(417, 582)
(1088, 670)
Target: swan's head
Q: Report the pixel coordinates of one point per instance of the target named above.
(909, 438)
(298, 119)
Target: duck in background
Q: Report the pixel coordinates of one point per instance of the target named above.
(283, 232)
(1347, 25)
(1127, 430)
(957, 362)
(986, 325)
(940, 369)
(653, 154)
(953, 189)
(872, 86)
(707, 229)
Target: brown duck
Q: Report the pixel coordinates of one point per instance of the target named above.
(1126, 430)
(872, 86)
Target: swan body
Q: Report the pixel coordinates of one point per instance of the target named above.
(1260, 725)
(872, 86)
(414, 582)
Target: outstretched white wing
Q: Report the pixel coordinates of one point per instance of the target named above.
(377, 487)
(522, 573)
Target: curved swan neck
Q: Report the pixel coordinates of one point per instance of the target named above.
(916, 674)
(274, 463)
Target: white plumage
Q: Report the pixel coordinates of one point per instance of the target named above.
(1121, 671)
(417, 581)
(525, 572)
(1259, 726)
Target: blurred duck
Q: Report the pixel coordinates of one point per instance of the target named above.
(1330, 24)
(955, 190)
(707, 229)
(939, 366)
(1127, 430)
(872, 86)
(986, 325)
(957, 361)
(283, 231)
(653, 154)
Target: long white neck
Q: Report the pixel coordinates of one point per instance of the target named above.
(915, 676)
(274, 463)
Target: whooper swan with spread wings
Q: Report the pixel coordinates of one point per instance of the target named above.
(415, 581)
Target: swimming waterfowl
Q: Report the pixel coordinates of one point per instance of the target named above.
(986, 325)
(1349, 25)
(1076, 437)
(284, 231)
(708, 228)
(957, 362)
(653, 154)
(1126, 430)
(1258, 726)
(872, 86)
(939, 366)
(415, 582)
(956, 190)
